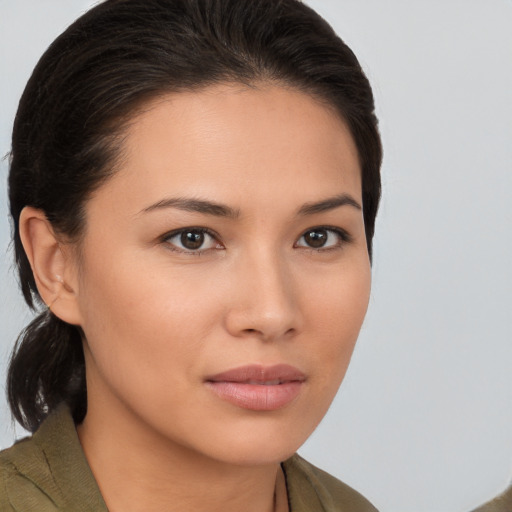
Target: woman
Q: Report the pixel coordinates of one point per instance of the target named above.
(193, 188)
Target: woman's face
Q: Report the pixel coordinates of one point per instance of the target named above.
(224, 274)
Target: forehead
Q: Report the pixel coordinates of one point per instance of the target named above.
(234, 142)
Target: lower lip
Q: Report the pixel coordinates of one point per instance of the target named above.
(257, 397)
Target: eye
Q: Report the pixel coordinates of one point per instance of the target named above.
(323, 238)
(192, 240)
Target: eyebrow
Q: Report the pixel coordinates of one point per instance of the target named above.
(329, 204)
(221, 210)
(194, 205)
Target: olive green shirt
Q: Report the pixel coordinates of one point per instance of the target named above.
(49, 472)
(502, 503)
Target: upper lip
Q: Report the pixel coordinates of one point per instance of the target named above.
(259, 374)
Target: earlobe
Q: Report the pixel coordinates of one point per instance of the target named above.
(51, 264)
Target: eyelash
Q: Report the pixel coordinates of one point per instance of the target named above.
(343, 238)
(198, 230)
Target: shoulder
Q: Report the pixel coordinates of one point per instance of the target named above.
(310, 488)
(24, 473)
(48, 471)
(502, 503)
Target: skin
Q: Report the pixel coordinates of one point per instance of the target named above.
(158, 318)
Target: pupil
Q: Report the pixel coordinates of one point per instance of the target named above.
(316, 238)
(192, 239)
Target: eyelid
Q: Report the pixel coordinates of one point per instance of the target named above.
(344, 236)
(200, 229)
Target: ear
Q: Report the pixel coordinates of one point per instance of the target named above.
(53, 265)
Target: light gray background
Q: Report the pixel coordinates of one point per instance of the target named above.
(423, 422)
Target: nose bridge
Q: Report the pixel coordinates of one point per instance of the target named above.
(266, 302)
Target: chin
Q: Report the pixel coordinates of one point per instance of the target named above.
(258, 443)
(251, 455)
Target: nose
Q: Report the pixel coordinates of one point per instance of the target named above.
(265, 301)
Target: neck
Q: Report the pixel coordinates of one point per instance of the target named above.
(134, 468)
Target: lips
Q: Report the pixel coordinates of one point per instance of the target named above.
(258, 388)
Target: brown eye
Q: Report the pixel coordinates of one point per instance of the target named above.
(192, 240)
(323, 238)
(316, 238)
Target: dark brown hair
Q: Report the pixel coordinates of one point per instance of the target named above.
(93, 78)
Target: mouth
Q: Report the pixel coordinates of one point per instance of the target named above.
(258, 388)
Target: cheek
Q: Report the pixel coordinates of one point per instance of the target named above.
(336, 312)
(140, 321)
(340, 296)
